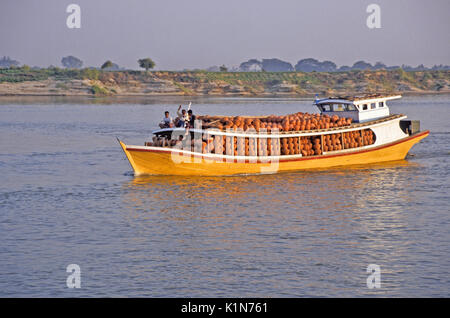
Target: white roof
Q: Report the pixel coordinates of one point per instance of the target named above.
(356, 99)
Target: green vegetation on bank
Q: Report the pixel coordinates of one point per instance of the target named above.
(98, 90)
(244, 83)
(21, 74)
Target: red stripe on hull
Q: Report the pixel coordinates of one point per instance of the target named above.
(293, 159)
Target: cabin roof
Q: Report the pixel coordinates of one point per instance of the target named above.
(357, 98)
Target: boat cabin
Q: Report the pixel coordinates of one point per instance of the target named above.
(359, 108)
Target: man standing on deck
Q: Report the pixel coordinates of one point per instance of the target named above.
(191, 118)
(183, 117)
(187, 116)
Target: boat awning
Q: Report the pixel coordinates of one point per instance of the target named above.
(332, 100)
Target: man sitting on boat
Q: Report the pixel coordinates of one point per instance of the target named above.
(167, 121)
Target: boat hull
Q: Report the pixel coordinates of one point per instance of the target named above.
(162, 161)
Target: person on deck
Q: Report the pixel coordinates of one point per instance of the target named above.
(182, 117)
(167, 121)
(191, 118)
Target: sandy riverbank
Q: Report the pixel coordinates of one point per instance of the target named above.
(223, 84)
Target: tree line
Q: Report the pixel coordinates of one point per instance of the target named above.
(71, 61)
(313, 65)
(252, 65)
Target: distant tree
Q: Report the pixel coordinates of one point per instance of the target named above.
(379, 66)
(328, 66)
(361, 65)
(307, 65)
(113, 67)
(146, 63)
(276, 65)
(223, 68)
(440, 67)
(252, 65)
(107, 64)
(407, 68)
(6, 61)
(421, 67)
(71, 62)
(344, 68)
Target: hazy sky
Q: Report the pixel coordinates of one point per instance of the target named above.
(180, 34)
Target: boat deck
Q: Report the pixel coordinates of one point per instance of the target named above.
(268, 134)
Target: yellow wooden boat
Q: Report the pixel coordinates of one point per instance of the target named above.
(384, 137)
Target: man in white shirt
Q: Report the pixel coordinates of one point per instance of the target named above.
(167, 121)
(184, 116)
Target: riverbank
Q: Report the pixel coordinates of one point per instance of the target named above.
(93, 82)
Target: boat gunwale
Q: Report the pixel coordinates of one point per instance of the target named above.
(280, 158)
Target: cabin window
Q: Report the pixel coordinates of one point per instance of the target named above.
(373, 106)
(326, 107)
(381, 104)
(338, 108)
(351, 107)
(365, 107)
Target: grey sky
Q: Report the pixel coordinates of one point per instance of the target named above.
(199, 33)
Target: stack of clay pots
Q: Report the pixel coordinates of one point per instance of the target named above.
(293, 122)
(251, 146)
(310, 146)
(358, 138)
(332, 142)
(368, 137)
(240, 146)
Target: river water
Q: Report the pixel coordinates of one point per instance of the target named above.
(68, 196)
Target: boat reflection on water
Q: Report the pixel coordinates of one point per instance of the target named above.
(344, 189)
(297, 223)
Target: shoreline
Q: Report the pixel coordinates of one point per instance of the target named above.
(20, 100)
(123, 84)
(269, 96)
